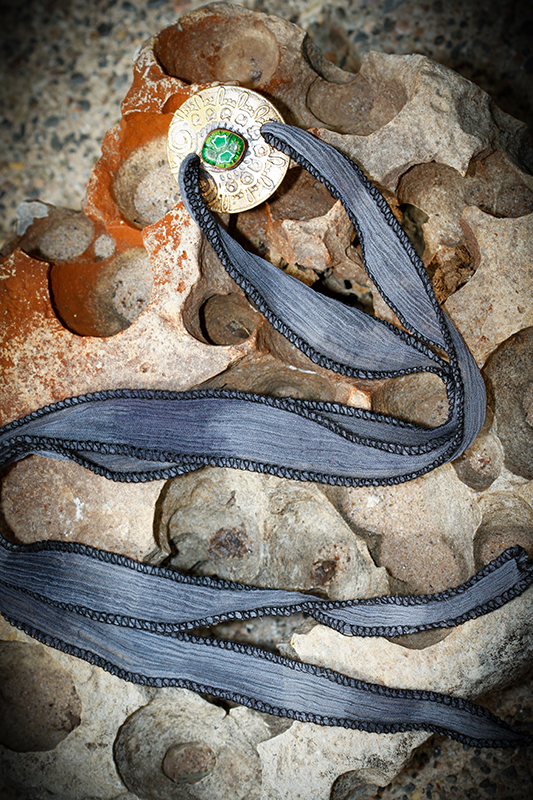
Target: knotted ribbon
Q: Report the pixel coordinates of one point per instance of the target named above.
(135, 620)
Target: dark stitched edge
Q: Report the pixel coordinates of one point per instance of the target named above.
(192, 463)
(205, 220)
(322, 672)
(315, 607)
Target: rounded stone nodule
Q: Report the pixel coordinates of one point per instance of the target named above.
(223, 149)
(188, 762)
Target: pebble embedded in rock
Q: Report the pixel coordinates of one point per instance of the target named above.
(229, 319)
(481, 463)
(507, 520)
(188, 762)
(419, 398)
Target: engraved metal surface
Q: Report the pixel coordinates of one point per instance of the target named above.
(258, 173)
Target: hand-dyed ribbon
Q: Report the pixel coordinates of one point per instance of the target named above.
(132, 619)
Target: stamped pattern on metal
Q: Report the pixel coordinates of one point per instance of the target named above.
(232, 108)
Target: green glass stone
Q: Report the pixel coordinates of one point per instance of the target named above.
(223, 149)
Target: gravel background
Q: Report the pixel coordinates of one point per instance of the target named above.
(65, 67)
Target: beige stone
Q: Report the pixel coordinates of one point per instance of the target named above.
(435, 115)
(498, 300)
(421, 531)
(47, 499)
(454, 161)
(248, 527)
(81, 765)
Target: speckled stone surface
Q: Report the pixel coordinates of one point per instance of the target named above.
(65, 68)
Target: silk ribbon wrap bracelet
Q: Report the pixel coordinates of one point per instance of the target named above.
(135, 620)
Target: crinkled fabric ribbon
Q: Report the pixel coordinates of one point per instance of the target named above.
(135, 620)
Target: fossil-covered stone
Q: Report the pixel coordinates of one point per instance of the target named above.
(247, 527)
(125, 293)
(287, 760)
(481, 464)
(507, 520)
(423, 112)
(43, 361)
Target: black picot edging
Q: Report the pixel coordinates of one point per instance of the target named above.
(322, 672)
(205, 220)
(315, 607)
(192, 463)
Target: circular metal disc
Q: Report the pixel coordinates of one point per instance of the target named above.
(229, 108)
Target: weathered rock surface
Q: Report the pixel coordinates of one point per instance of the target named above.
(81, 765)
(498, 300)
(265, 531)
(420, 531)
(470, 653)
(510, 375)
(39, 704)
(60, 500)
(288, 761)
(127, 295)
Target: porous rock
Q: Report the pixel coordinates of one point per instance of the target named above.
(509, 374)
(181, 746)
(266, 531)
(304, 762)
(433, 114)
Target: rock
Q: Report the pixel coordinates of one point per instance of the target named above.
(481, 464)
(319, 243)
(113, 301)
(39, 704)
(420, 531)
(496, 302)
(510, 372)
(469, 651)
(506, 520)
(416, 398)
(266, 373)
(419, 112)
(288, 760)
(493, 183)
(189, 762)
(42, 361)
(229, 319)
(80, 766)
(247, 527)
(128, 295)
(60, 500)
(179, 745)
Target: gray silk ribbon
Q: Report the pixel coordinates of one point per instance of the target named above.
(135, 620)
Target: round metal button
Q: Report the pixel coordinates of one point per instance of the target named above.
(222, 124)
